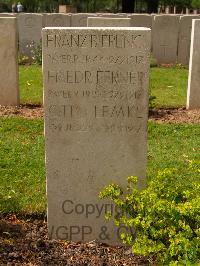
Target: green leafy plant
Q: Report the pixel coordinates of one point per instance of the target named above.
(23, 59)
(34, 55)
(180, 66)
(165, 215)
(152, 103)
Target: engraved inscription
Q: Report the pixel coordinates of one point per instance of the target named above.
(58, 22)
(95, 94)
(93, 41)
(113, 111)
(55, 58)
(98, 111)
(108, 128)
(88, 77)
(29, 22)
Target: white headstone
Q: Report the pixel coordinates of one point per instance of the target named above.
(193, 93)
(185, 39)
(9, 81)
(96, 110)
(165, 38)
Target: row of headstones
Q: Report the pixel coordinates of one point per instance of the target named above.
(9, 87)
(170, 33)
(96, 111)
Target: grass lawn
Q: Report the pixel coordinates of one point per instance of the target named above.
(22, 186)
(169, 85)
(30, 82)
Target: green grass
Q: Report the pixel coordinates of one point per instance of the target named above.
(22, 172)
(31, 91)
(172, 145)
(169, 85)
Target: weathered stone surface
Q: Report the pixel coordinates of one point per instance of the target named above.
(112, 15)
(96, 109)
(57, 20)
(8, 15)
(108, 22)
(165, 30)
(30, 27)
(185, 39)
(193, 93)
(80, 19)
(141, 20)
(9, 85)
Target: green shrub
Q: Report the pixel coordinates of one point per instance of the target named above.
(35, 56)
(23, 59)
(153, 62)
(165, 215)
(152, 103)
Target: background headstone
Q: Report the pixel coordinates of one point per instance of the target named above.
(9, 84)
(108, 22)
(30, 27)
(193, 93)
(96, 110)
(57, 20)
(80, 19)
(141, 20)
(165, 30)
(185, 39)
(8, 15)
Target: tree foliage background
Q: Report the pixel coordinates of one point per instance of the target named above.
(95, 5)
(52, 5)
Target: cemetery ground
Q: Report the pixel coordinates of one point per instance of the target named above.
(173, 142)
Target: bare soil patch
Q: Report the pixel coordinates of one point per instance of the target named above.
(25, 242)
(179, 115)
(26, 111)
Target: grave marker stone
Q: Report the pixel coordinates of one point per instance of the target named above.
(165, 30)
(9, 84)
(8, 15)
(57, 20)
(96, 109)
(141, 20)
(193, 93)
(30, 27)
(80, 19)
(185, 39)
